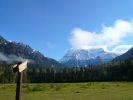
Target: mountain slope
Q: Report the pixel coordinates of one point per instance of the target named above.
(13, 49)
(81, 57)
(126, 55)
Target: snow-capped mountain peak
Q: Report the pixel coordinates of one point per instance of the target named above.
(84, 57)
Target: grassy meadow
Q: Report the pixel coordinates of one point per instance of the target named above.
(71, 91)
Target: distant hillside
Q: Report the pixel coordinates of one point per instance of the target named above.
(9, 50)
(126, 55)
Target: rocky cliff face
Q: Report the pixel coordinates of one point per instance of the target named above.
(24, 51)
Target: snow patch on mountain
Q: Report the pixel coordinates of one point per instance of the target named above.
(87, 56)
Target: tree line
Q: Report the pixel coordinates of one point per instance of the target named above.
(113, 71)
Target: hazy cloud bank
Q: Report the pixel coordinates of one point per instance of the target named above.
(12, 58)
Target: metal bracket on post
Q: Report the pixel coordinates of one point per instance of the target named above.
(19, 68)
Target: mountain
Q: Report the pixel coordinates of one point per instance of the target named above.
(81, 57)
(12, 51)
(126, 55)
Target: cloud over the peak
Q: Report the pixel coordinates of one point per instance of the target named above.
(121, 48)
(108, 37)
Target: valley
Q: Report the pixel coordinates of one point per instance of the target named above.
(77, 65)
(66, 49)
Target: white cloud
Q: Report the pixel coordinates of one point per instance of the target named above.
(109, 37)
(13, 58)
(122, 48)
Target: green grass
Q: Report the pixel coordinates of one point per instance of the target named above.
(71, 91)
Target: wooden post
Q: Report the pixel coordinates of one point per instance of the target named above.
(19, 85)
(19, 68)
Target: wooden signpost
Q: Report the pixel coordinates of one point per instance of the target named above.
(19, 68)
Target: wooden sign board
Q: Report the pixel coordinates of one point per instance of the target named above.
(22, 66)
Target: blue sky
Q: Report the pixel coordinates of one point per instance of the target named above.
(53, 26)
